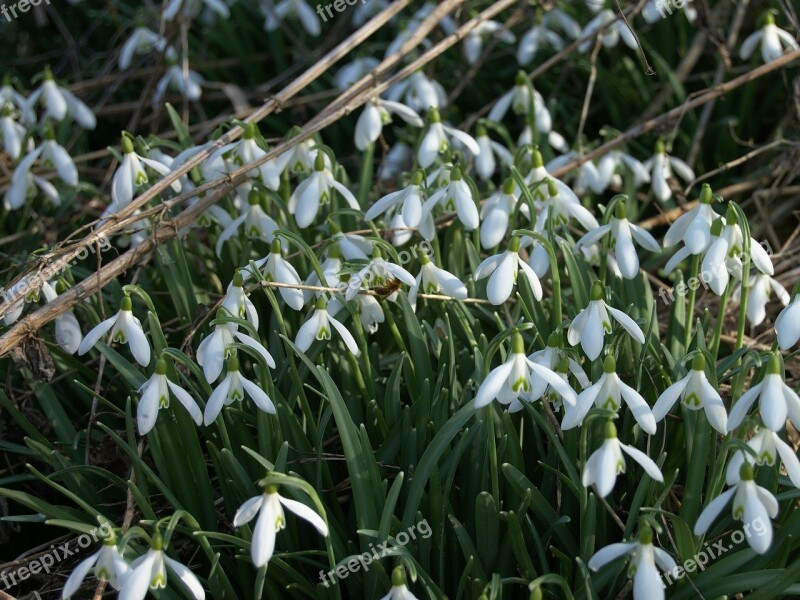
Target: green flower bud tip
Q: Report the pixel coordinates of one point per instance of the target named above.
(699, 362)
(646, 535)
(424, 259)
(620, 212)
(333, 251)
(61, 286)
(126, 304)
(47, 74)
(554, 340)
(730, 215)
(233, 363)
(480, 130)
(706, 195)
(596, 293)
(610, 364)
(376, 252)
(238, 280)
(552, 190)
(275, 246)
(536, 158)
(161, 367)
(521, 78)
(319, 161)
(774, 364)
(418, 177)
(398, 576)
(513, 244)
(509, 185)
(769, 19)
(660, 147)
(563, 365)
(746, 471)
(455, 173)
(271, 489)
(610, 430)
(433, 114)
(253, 197)
(127, 143)
(536, 593)
(517, 344)
(157, 543)
(249, 131)
(49, 132)
(321, 303)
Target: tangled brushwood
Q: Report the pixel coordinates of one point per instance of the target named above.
(446, 300)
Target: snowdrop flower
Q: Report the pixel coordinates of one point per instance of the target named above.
(8, 95)
(59, 102)
(24, 183)
(519, 378)
(409, 199)
(608, 393)
(378, 272)
(68, 331)
(752, 504)
(660, 166)
(303, 156)
(277, 268)
(434, 280)
(131, 175)
(496, 214)
(553, 355)
(193, 7)
(519, 100)
(12, 133)
(695, 392)
(767, 446)
(538, 36)
(351, 245)
(188, 84)
(613, 28)
(772, 40)
(456, 197)
(614, 161)
(142, 41)
(214, 349)
(776, 400)
(243, 152)
(269, 507)
(591, 325)
(318, 327)
(315, 190)
(399, 590)
(125, 329)
(331, 267)
(485, 162)
(397, 160)
(257, 223)
(237, 303)
(274, 15)
(503, 270)
(54, 156)
(623, 234)
(647, 583)
(232, 388)
(605, 463)
(787, 325)
(694, 227)
(473, 42)
(378, 113)
(353, 71)
(761, 287)
(154, 395)
(560, 208)
(536, 180)
(419, 92)
(437, 140)
(107, 564)
(149, 572)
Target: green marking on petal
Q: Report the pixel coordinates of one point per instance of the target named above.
(323, 333)
(692, 400)
(141, 178)
(620, 466)
(163, 401)
(159, 581)
(607, 326)
(521, 384)
(610, 404)
(119, 337)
